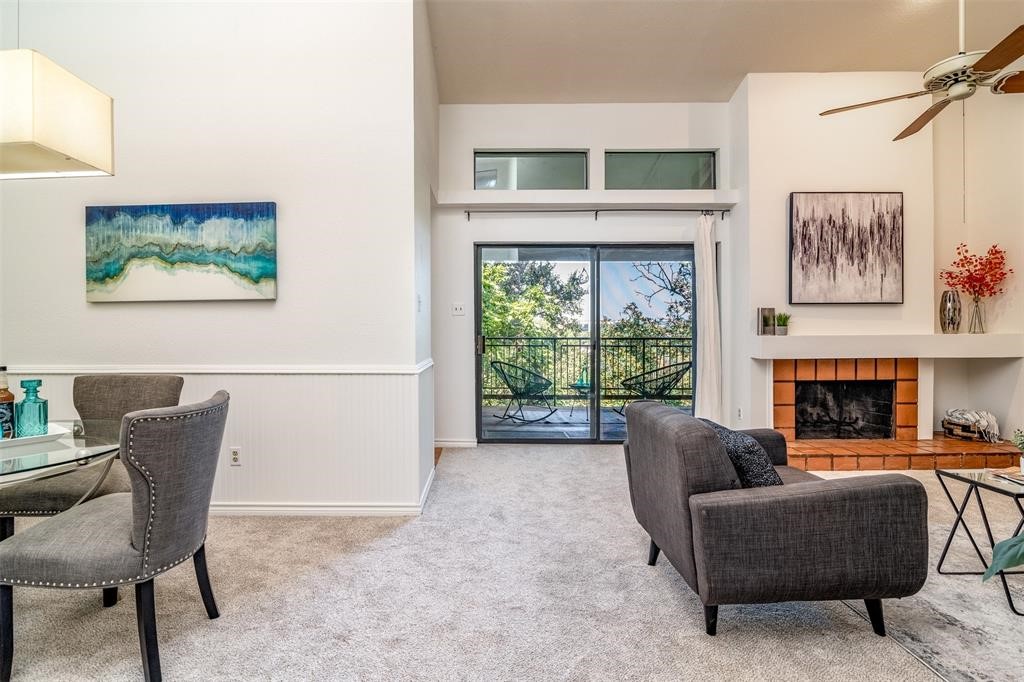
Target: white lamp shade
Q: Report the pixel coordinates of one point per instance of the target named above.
(52, 123)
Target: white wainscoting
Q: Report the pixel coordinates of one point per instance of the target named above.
(338, 440)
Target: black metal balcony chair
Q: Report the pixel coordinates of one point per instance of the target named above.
(525, 386)
(656, 384)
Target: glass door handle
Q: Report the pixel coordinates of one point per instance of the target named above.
(481, 345)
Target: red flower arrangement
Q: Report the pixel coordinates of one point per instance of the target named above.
(976, 275)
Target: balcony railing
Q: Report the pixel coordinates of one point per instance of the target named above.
(566, 362)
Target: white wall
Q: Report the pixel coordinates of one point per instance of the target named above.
(990, 128)
(252, 102)
(791, 148)
(594, 127)
(425, 115)
(229, 102)
(454, 238)
(771, 141)
(425, 109)
(738, 372)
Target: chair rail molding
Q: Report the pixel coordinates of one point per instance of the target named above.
(325, 370)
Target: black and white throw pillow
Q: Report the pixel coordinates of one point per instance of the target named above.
(748, 457)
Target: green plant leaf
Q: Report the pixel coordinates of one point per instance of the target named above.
(1006, 554)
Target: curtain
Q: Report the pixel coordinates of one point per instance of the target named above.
(708, 391)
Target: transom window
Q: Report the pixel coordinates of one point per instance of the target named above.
(530, 170)
(659, 170)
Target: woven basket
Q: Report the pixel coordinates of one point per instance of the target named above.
(961, 431)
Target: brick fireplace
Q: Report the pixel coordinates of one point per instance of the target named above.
(846, 373)
(847, 451)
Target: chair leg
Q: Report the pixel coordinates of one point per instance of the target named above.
(508, 406)
(876, 616)
(652, 555)
(711, 619)
(109, 597)
(145, 609)
(199, 559)
(6, 631)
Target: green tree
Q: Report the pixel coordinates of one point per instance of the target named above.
(530, 299)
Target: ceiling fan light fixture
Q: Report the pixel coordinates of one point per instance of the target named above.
(52, 123)
(961, 75)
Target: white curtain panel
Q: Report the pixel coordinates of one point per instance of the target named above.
(709, 332)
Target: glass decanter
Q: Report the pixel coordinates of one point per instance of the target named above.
(31, 415)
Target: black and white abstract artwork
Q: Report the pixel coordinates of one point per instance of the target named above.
(846, 247)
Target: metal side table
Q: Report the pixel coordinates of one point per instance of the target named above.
(978, 480)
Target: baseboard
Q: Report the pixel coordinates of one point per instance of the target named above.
(315, 509)
(462, 443)
(426, 488)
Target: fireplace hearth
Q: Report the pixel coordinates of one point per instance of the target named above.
(845, 409)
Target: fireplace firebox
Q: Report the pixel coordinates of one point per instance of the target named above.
(845, 409)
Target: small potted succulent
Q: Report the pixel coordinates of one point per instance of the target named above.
(1018, 440)
(781, 324)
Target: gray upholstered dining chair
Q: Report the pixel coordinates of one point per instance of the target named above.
(101, 400)
(128, 538)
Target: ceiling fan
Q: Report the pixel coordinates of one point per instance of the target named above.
(960, 76)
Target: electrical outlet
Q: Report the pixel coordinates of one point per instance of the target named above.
(739, 413)
(236, 456)
(458, 309)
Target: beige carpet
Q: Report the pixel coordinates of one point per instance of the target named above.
(526, 565)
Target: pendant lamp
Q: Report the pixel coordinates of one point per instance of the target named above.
(52, 123)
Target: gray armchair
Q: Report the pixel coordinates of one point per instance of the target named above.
(864, 537)
(128, 538)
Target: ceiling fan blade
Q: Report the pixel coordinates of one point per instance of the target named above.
(1014, 82)
(872, 103)
(1000, 56)
(923, 120)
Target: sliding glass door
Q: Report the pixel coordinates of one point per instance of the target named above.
(567, 335)
(534, 347)
(646, 330)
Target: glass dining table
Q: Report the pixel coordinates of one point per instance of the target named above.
(92, 443)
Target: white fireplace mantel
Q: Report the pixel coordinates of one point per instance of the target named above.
(799, 347)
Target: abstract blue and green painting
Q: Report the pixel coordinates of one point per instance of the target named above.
(181, 252)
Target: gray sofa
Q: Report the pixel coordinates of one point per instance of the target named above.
(862, 537)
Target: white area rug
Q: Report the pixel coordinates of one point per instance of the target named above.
(961, 627)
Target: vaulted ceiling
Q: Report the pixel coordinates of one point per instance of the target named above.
(519, 51)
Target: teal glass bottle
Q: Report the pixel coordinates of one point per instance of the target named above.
(31, 415)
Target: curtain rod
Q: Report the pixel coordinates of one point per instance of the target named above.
(596, 211)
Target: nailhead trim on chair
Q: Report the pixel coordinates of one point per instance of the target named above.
(145, 472)
(29, 513)
(145, 575)
(104, 583)
(112, 583)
